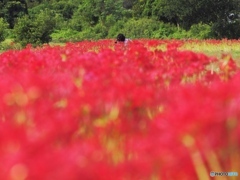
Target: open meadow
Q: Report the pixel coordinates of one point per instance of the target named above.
(95, 110)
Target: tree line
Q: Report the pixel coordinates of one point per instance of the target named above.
(42, 21)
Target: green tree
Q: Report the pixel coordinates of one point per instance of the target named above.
(33, 3)
(94, 11)
(226, 28)
(138, 8)
(3, 28)
(200, 31)
(128, 4)
(185, 13)
(35, 30)
(12, 9)
(188, 12)
(140, 28)
(65, 8)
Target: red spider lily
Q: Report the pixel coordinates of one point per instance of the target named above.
(100, 110)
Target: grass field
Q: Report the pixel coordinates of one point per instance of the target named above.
(215, 48)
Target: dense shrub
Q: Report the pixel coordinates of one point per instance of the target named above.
(179, 34)
(116, 27)
(35, 30)
(226, 29)
(75, 23)
(140, 28)
(70, 35)
(200, 31)
(165, 31)
(65, 35)
(3, 28)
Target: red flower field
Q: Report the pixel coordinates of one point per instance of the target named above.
(96, 110)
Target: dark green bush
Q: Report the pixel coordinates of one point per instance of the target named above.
(179, 34)
(226, 29)
(200, 31)
(164, 31)
(140, 28)
(115, 28)
(35, 30)
(3, 29)
(65, 35)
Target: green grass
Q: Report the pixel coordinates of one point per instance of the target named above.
(226, 47)
(8, 44)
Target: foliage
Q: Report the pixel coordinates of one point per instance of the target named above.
(34, 11)
(12, 9)
(116, 27)
(100, 31)
(180, 34)
(99, 110)
(9, 44)
(227, 29)
(65, 35)
(35, 30)
(165, 31)
(71, 35)
(98, 19)
(187, 13)
(3, 28)
(200, 31)
(140, 28)
(96, 11)
(138, 8)
(65, 8)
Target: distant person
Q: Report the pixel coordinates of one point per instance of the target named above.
(121, 39)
